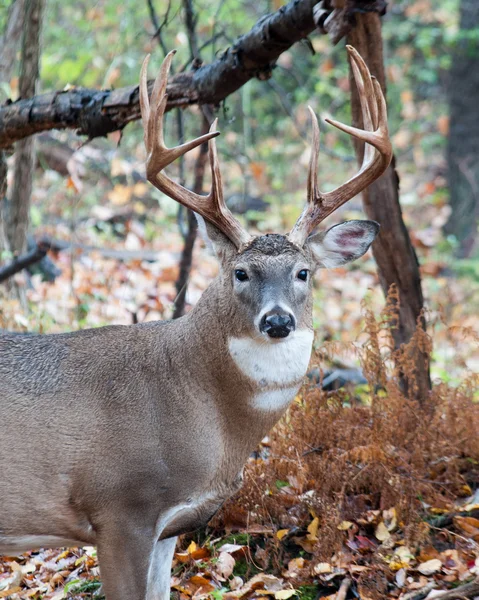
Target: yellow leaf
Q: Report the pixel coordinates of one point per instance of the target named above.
(438, 511)
(284, 594)
(313, 530)
(140, 189)
(322, 568)
(345, 525)
(191, 548)
(295, 565)
(120, 195)
(401, 559)
(382, 532)
(390, 519)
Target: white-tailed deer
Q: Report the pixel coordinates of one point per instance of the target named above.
(124, 437)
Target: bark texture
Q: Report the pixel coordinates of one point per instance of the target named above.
(394, 254)
(463, 142)
(95, 113)
(10, 39)
(8, 47)
(19, 206)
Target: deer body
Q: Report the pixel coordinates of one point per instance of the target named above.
(149, 443)
(125, 437)
(171, 438)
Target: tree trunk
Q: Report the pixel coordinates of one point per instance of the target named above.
(463, 142)
(394, 254)
(191, 234)
(4, 244)
(19, 207)
(8, 48)
(10, 39)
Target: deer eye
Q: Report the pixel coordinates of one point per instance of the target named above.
(303, 275)
(241, 275)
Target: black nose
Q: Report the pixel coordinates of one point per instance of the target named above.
(277, 324)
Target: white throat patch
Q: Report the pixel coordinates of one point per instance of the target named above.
(278, 363)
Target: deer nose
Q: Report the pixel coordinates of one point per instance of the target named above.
(277, 323)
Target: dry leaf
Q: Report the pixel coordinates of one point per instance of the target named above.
(313, 530)
(429, 567)
(323, 567)
(261, 582)
(284, 594)
(225, 565)
(382, 533)
(401, 578)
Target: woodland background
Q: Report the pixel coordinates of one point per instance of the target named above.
(367, 488)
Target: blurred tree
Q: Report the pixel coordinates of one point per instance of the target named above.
(19, 206)
(8, 47)
(463, 143)
(393, 251)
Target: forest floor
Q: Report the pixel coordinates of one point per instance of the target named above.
(358, 492)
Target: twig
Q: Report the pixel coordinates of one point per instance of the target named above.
(463, 592)
(159, 27)
(215, 22)
(24, 261)
(343, 589)
(420, 594)
(191, 20)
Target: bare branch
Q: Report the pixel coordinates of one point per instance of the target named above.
(24, 261)
(97, 113)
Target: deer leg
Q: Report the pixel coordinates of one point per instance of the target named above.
(125, 552)
(159, 576)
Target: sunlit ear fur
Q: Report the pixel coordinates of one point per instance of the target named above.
(217, 242)
(342, 243)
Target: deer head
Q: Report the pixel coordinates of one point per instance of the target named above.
(268, 278)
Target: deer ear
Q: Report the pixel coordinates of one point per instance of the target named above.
(342, 243)
(217, 242)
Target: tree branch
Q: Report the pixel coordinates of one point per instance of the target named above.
(96, 113)
(24, 261)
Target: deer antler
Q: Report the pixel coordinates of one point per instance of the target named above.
(377, 153)
(212, 207)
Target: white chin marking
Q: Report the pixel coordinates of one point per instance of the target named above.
(282, 362)
(274, 399)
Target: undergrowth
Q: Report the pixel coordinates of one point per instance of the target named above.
(338, 457)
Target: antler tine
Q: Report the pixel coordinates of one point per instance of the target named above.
(313, 189)
(377, 153)
(212, 207)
